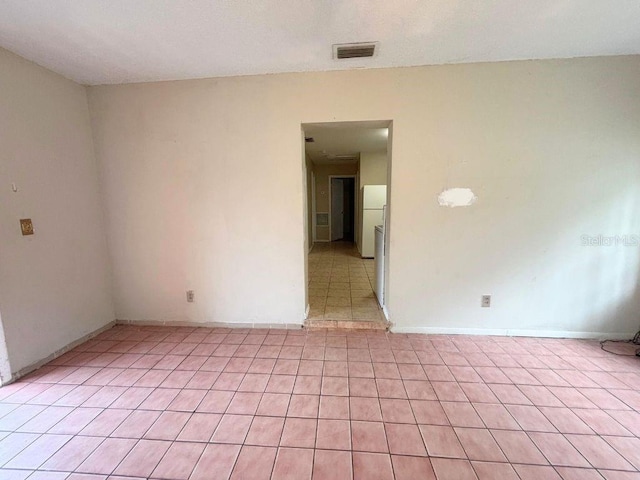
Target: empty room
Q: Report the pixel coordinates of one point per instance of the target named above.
(327, 239)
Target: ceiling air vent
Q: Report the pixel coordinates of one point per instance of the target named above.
(354, 50)
(309, 139)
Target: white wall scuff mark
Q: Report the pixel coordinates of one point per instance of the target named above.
(457, 197)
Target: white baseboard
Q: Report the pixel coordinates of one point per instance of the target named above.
(178, 323)
(509, 332)
(36, 365)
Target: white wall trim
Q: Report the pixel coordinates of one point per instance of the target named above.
(179, 323)
(36, 365)
(512, 332)
(5, 365)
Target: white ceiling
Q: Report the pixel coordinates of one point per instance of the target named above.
(339, 143)
(118, 41)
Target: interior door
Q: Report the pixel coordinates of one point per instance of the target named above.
(337, 209)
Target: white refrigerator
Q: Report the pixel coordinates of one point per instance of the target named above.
(374, 198)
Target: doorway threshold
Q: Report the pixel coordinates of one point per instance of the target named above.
(347, 324)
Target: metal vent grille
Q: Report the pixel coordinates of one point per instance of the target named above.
(322, 219)
(354, 50)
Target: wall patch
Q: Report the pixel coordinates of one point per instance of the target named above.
(457, 197)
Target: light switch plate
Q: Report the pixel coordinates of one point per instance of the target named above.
(27, 226)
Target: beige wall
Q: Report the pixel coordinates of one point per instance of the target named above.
(551, 148)
(373, 168)
(54, 285)
(373, 171)
(323, 202)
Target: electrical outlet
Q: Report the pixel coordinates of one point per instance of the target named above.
(485, 302)
(190, 296)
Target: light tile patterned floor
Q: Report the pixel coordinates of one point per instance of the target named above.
(340, 284)
(186, 403)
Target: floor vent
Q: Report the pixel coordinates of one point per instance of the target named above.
(354, 50)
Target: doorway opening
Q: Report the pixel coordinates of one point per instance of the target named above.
(347, 176)
(343, 208)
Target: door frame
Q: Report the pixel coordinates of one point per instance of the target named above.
(355, 203)
(313, 211)
(380, 123)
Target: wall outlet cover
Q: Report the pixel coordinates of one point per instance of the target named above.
(26, 225)
(485, 301)
(190, 296)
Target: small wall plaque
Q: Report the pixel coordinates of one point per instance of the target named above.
(27, 226)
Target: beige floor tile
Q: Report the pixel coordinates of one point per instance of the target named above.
(339, 292)
(364, 302)
(317, 303)
(340, 286)
(322, 296)
(316, 314)
(361, 293)
(334, 301)
(320, 277)
(337, 313)
(369, 315)
(368, 311)
(358, 277)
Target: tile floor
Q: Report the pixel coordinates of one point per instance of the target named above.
(186, 403)
(340, 285)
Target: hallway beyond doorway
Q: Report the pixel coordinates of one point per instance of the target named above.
(340, 288)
